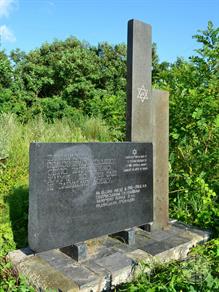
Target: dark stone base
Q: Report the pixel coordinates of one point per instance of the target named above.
(76, 251)
(126, 236)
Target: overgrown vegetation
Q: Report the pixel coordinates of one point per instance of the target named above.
(198, 273)
(14, 143)
(194, 132)
(71, 91)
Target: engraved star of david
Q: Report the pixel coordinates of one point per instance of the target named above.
(142, 93)
(134, 152)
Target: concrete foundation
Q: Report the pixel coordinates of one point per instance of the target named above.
(110, 262)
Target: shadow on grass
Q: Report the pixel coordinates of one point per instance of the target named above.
(18, 210)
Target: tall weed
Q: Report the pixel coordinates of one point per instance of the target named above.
(15, 139)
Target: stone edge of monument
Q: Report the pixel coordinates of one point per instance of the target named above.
(104, 271)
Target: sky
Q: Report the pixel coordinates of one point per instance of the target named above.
(26, 24)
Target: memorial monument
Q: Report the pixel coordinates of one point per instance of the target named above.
(97, 209)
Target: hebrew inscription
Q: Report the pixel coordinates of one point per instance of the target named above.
(136, 162)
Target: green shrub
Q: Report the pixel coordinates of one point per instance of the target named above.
(198, 273)
(194, 131)
(111, 108)
(10, 280)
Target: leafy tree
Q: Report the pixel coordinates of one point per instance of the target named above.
(5, 71)
(193, 87)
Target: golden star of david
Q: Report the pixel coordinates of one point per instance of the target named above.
(142, 93)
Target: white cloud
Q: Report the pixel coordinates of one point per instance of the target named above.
(6, 6)
(6, 34)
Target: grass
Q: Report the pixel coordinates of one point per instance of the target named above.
(199, 273)
(14, 162)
